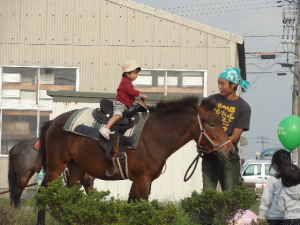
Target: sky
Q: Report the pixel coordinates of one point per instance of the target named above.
(270, 96)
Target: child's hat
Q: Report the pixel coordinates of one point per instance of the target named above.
(233, 75)
(130, 65)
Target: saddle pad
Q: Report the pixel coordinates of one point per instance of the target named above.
(82, 122)
(37, 145)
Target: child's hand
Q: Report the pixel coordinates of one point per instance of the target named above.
(143, 96)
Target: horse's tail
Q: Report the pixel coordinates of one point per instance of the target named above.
(12, 176)
(42, 135)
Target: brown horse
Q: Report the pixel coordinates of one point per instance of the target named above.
(24, 161)
(171, 124)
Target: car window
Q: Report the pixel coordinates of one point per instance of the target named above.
(253, 170)
(243, 167)
(267, 157)
(267, 167)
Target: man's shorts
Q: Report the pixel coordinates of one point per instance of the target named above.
(119, 108)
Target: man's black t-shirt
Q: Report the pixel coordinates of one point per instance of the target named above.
(234, 114)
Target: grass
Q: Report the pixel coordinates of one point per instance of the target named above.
(23, 216)
(26, 216)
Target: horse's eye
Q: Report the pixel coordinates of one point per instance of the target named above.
(212, 125)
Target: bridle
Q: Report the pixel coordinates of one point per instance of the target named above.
(201, 151)
(216, 148)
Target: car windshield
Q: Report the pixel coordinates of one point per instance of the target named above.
(267, 156)
(243, 167)
(267, 170)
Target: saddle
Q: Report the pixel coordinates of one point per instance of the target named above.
(129, 119)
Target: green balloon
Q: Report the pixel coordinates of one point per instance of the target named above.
(289, 132)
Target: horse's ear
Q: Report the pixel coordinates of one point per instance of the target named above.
(201, 110)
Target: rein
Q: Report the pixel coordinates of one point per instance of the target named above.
(201, 151)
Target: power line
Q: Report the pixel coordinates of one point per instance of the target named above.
(238, 16)
(269, 72)
(195, 10)
(263, 141)
(253, 64)
(217, 3)
(259, 76)
(236, 10)
(268, 35)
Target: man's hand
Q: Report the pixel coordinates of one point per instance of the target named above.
(143, 96)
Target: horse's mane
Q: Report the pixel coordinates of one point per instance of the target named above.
(164, 107)
(208, 104)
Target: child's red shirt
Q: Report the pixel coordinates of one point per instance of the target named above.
(126, 93)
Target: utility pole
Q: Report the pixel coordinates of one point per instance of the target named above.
(263, 138)
(291, 22)
(297, 74)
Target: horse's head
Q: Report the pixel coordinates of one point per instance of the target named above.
(213, 127)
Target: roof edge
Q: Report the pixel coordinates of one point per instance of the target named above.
(180, 20)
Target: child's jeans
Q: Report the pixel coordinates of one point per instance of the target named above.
(119, 108)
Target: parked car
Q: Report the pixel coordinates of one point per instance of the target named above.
(256, 171)
(268, 153)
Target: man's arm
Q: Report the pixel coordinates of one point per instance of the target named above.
(237, 132)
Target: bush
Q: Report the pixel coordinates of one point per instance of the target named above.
(72, 206)
(218, 208)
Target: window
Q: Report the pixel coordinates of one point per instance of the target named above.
(253, 170)
(267, 168)
(243, 167)
(171, 82)
(267, 157)
(25, 105)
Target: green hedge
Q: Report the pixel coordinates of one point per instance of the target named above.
(72, 206)
(220, 208)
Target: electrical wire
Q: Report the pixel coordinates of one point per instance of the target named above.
(253, 64)
(268, 72)
(259, 76)
(267, 35)
(200, 14)
(216, 3)
(237, 16)
(195, 10)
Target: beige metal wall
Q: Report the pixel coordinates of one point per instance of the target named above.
(98, 35)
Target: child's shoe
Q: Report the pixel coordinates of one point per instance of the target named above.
(106, 132)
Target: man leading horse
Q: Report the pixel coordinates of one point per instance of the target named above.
(235, 115)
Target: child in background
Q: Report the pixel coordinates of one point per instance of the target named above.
(289, 202)
(126, 95)
(269, 202)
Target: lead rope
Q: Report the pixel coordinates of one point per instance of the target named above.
(196, 160)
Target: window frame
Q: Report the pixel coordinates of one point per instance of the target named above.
(182, 70)
(36, 107)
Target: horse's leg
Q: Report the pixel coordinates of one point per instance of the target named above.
(88, 183)
(52, 173)
(131, 194)
(75, 174)
(22, 182)
(142, 188)
(88, 188)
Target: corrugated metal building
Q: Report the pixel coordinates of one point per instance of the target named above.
(92, 38)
